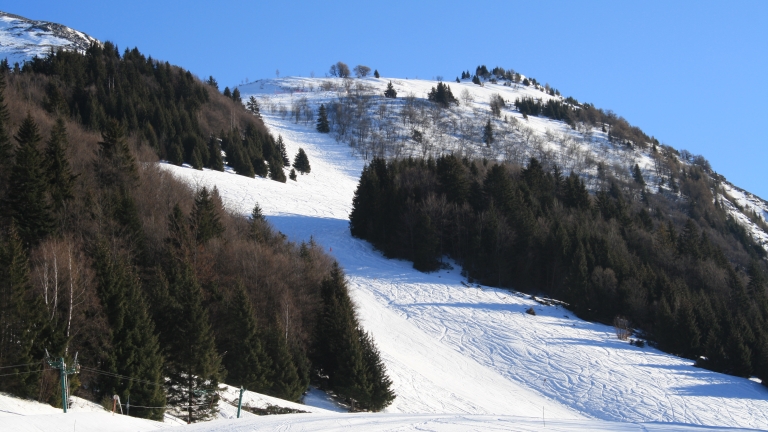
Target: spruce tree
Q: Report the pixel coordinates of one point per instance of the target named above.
(5, 141)
(301, 162)
(283, 152)
(28, 199)
(488, 134)
(236, 96)
(246, 360)
(116, 165)
(253, 106)
(381, 394)
(60, 177)
(193, 367)
(390, 92)
(276, 171)
(204, 220)
(322, 120)
(292, 175)
(21, 320)
(285, 380)
(638, 175)
(227, 92)
(135, 346)
(376, 73)
(215, 161)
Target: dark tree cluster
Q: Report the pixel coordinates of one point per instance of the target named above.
(676, 274)
(106, 256)
(165, 106)
(442, 95)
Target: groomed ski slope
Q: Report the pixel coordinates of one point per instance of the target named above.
(455, 349)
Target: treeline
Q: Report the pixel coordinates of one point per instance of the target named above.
(682, 272)
(182, 118)
(160, 292)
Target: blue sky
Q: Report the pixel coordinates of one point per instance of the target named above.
(693, 74)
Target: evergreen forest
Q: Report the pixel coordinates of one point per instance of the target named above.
(684, 274)
(159, 292)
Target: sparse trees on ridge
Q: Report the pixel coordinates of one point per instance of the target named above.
(339, 69)
(362, 71)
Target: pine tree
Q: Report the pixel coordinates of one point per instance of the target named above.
(638, 176)
(390, 92)
(27, 199)
(204, 220)
(322, 120)
(376, 73)
(276, 171)
(135, 346)
(292, 175)
(227, 92)
(284, 377)
(60, 177)
(381, 394)
(236, 96)
(246, 360)
(5, 141)
(283, 152)
(116, 165)
(488, 134)
(301, 162)
(215, 161)
(193, 367)
(21, 320)
(253, 106)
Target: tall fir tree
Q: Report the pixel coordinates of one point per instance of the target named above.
(488, 138)
(28, 199)
(390, 92)
(21, 320)
(246, 360)
(204, 220)
(283, 152)
(135, 346)
(215, 161)
(322, 120)
(301, 162)
(60, 177)
(5, 140)
(253, 106)
(116, 165)
(284, 376)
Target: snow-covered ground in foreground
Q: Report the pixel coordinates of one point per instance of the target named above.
(431, 422)
(460, 350)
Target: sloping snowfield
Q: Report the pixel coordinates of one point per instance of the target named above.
(455, 349)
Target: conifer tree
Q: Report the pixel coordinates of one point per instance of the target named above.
(116, 165)
(28, 200)
(215, 161)
(322, 120)
(193, 367)
(236, 95)
(204, 220)
(21, 320)
(246, 360)
(301, 162)
(285, 380)
(488, 134)
(227, 92)
(135, 346)
(60, 177)
(253, 106)
(292, 175)
(381, 394)
(376, 73)
(276, 171)
(5, 141)
(390, 92)
(638, 175)
(283, 152)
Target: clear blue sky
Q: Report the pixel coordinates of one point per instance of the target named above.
(693, 74)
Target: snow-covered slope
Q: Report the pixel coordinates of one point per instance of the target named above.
(452, 348)
(23, 39)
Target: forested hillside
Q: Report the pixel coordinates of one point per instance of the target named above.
(159, 292)
(684, 273)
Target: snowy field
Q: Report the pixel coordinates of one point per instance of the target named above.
(22, 39)
(454, 349)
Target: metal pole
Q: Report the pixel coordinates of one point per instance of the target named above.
(240, 402)
(63, 385)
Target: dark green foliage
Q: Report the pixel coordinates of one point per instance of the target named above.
(205, 222)
(60, 177)
(276, 171)
(301, 162)
(528, 106)
(193, 366)
(376, 73)
(136, 347)
(21, 319)
(476, 80)
(115, 164)
(27, 201)
(390, 92)
(609, 255)
(211, 81)
(246, 360)
(292, 175)
(638, 176)
(442, 95)
(5, 141)
(322, 120)
(285, 380)
(236, 96)
(227, 92)
(253, 106)
(215, 161)
(282, 151)
(346, 360)
(488, 134)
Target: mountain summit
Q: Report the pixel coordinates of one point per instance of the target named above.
(23, 39)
